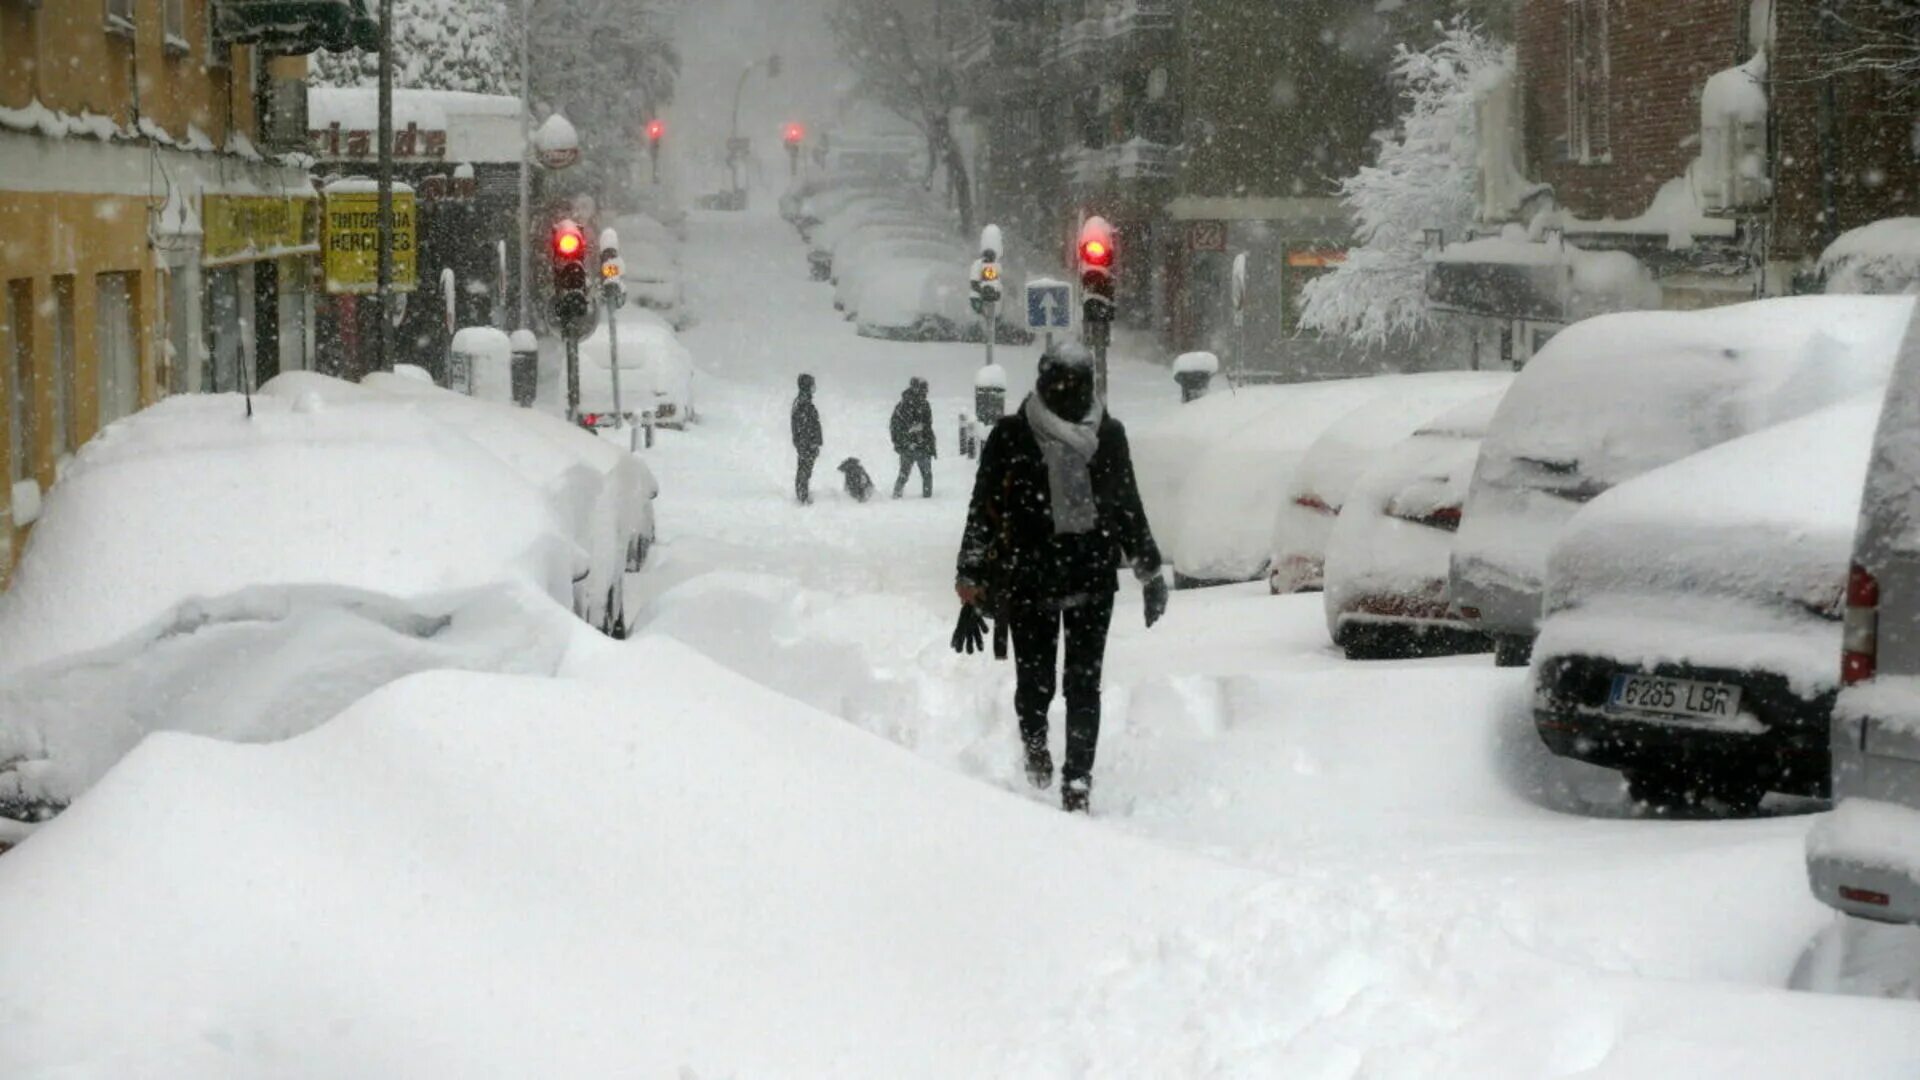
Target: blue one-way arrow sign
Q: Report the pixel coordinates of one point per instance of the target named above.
(1049, 304)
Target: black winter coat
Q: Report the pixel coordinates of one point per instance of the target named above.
(1010, 546)
(806, 424)
(912, 428)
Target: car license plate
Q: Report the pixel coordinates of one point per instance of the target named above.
(1674, 697)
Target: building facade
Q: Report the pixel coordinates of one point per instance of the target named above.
(1716, 143)
(1202, 130)
(149, 241)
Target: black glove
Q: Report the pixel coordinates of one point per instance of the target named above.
(970, 633)
(1155, 591)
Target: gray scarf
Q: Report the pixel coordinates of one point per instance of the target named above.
(1068, 449)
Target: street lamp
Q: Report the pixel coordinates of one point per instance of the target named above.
(737, 147)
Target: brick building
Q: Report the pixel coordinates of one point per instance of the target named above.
(1711, 140)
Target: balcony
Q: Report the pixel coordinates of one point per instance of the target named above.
(1136, 161)
(1123, 30)
(296, 26)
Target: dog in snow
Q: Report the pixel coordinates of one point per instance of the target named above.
(859, 484)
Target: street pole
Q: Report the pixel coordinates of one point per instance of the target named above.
(526, 164)
(383, 288)
(608, 292)
(992, 328)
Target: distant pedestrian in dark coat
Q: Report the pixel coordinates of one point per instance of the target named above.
(1055, 512)
(913, 439)
(806, 439)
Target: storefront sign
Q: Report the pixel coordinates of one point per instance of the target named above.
(352, 241)
(243, 228)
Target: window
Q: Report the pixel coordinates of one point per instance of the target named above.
(119, 16)
(174, 20)
(225, 328)
(66, 364)
(19, 388)
(119, 374)
(1589, 83)
(293, 316)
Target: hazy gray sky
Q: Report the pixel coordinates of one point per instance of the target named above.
(720, 37)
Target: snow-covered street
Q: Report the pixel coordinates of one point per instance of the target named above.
(1296, 865)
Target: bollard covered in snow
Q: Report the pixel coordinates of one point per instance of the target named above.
(990, 394)
(526, 366)
(1194, 372)
(482, 364)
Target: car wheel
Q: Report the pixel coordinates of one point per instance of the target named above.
(1512, 650)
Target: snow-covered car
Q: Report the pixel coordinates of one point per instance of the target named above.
(244, 571)
(650, 268)
(1318, 489)
(656, 371)
(1386, 569)
(1864, 858)
(608, 491)
(1882, 257)
(921, 300)
(1618, 395)
(883, 256)
(1213, 472)
(1691, 627)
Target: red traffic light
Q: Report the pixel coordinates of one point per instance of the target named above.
(656, 129)
(569, 242)
(1096, 253)
(795, 133)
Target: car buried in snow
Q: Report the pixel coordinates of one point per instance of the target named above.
(1397, 406)
(1864, 858)
(656, 373)
(1386, 568)
(1693, 617)
(245, 569)
(1616, 396)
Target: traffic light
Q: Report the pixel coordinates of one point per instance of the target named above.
(656, 130)
(1096, 270)
(570, 303)
(986, 270)
(794, 134)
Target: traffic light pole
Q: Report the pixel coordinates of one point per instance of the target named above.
(609, 300)
(383, 287)
(526, 164)
(573, 376)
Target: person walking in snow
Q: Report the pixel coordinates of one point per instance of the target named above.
(807, 438)
(913, 440)
(1055, 512)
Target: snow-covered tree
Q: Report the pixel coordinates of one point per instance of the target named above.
(1425, 176)
(904, 68)
(609, 66)
(437, 45)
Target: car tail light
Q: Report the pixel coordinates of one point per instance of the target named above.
(1314, 503)
(1860, 628)
(1468, 611)
(1865, 896)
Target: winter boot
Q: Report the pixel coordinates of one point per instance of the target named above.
(1074, 794)
(1039, 766)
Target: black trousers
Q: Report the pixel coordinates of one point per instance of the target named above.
(803, 477)
(906, 470)
(1036, 647)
